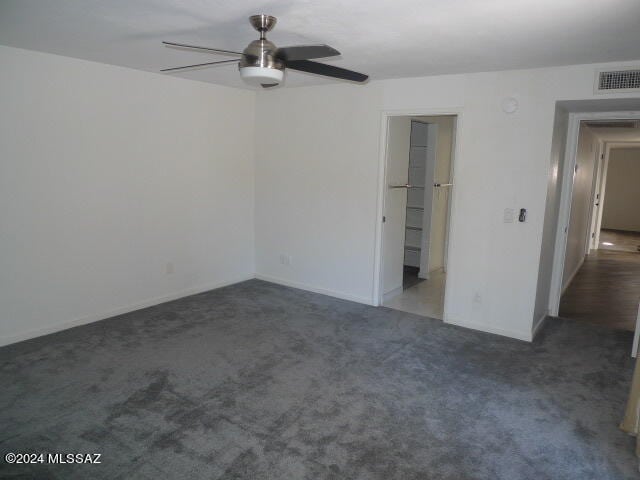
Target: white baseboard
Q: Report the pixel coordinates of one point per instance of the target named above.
(391, 294)
(636, 336)
(538, 324)
(572, 276)
(150, 302)
(311, 288)
(9, 339)
(483, 327)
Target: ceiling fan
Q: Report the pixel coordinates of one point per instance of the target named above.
(262, 63)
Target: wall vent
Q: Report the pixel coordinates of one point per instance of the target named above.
(620, 80)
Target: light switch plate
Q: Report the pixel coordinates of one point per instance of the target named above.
(285, 259)
(509, 215)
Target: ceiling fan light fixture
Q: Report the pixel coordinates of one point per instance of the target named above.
(261, 75)
(263, 64)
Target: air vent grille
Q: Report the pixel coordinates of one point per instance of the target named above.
(619, 80)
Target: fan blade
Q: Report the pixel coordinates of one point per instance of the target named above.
(198, 65)
(305, 52)
(206, 49)
(326, 70)
(269, 85)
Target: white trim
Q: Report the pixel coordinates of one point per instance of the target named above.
(427, 213)
(537, 326)
(636, 336)
(595, 187)
(150, 302)
(608, 146)
(622, 144)
(596, 221)
(566, 192)
(483, 327)
(377, 293)
(311, 288)
(603, 188)
(454, 148)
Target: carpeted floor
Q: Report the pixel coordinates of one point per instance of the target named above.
(259, 381)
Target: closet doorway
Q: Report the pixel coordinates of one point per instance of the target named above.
(415, 231)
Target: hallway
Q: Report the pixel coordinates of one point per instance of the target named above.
(606, 290)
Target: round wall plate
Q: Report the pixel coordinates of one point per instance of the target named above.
(509, 105)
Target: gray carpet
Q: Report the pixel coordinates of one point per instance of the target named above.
(259, 381)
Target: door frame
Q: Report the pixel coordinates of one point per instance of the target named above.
(596, 200)
(593, 209)
(566, 193)
(385, 115)
(607, 147)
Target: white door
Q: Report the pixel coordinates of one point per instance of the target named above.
(596, 213)
(430, 143)
(395, 204)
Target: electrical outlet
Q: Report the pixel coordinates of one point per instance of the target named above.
(285, 259)
(170, 268)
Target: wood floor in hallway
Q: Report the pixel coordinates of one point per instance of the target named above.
(605, 291)
(619, 241)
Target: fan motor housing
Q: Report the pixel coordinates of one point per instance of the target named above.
(259, 65)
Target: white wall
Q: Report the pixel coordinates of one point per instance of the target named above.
(621, 208)
(106, 175)
(316, 183)
(317, 172)
(581, 204)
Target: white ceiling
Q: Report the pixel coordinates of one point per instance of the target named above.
(385, 39)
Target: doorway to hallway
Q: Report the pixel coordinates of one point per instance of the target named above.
(601, 274)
